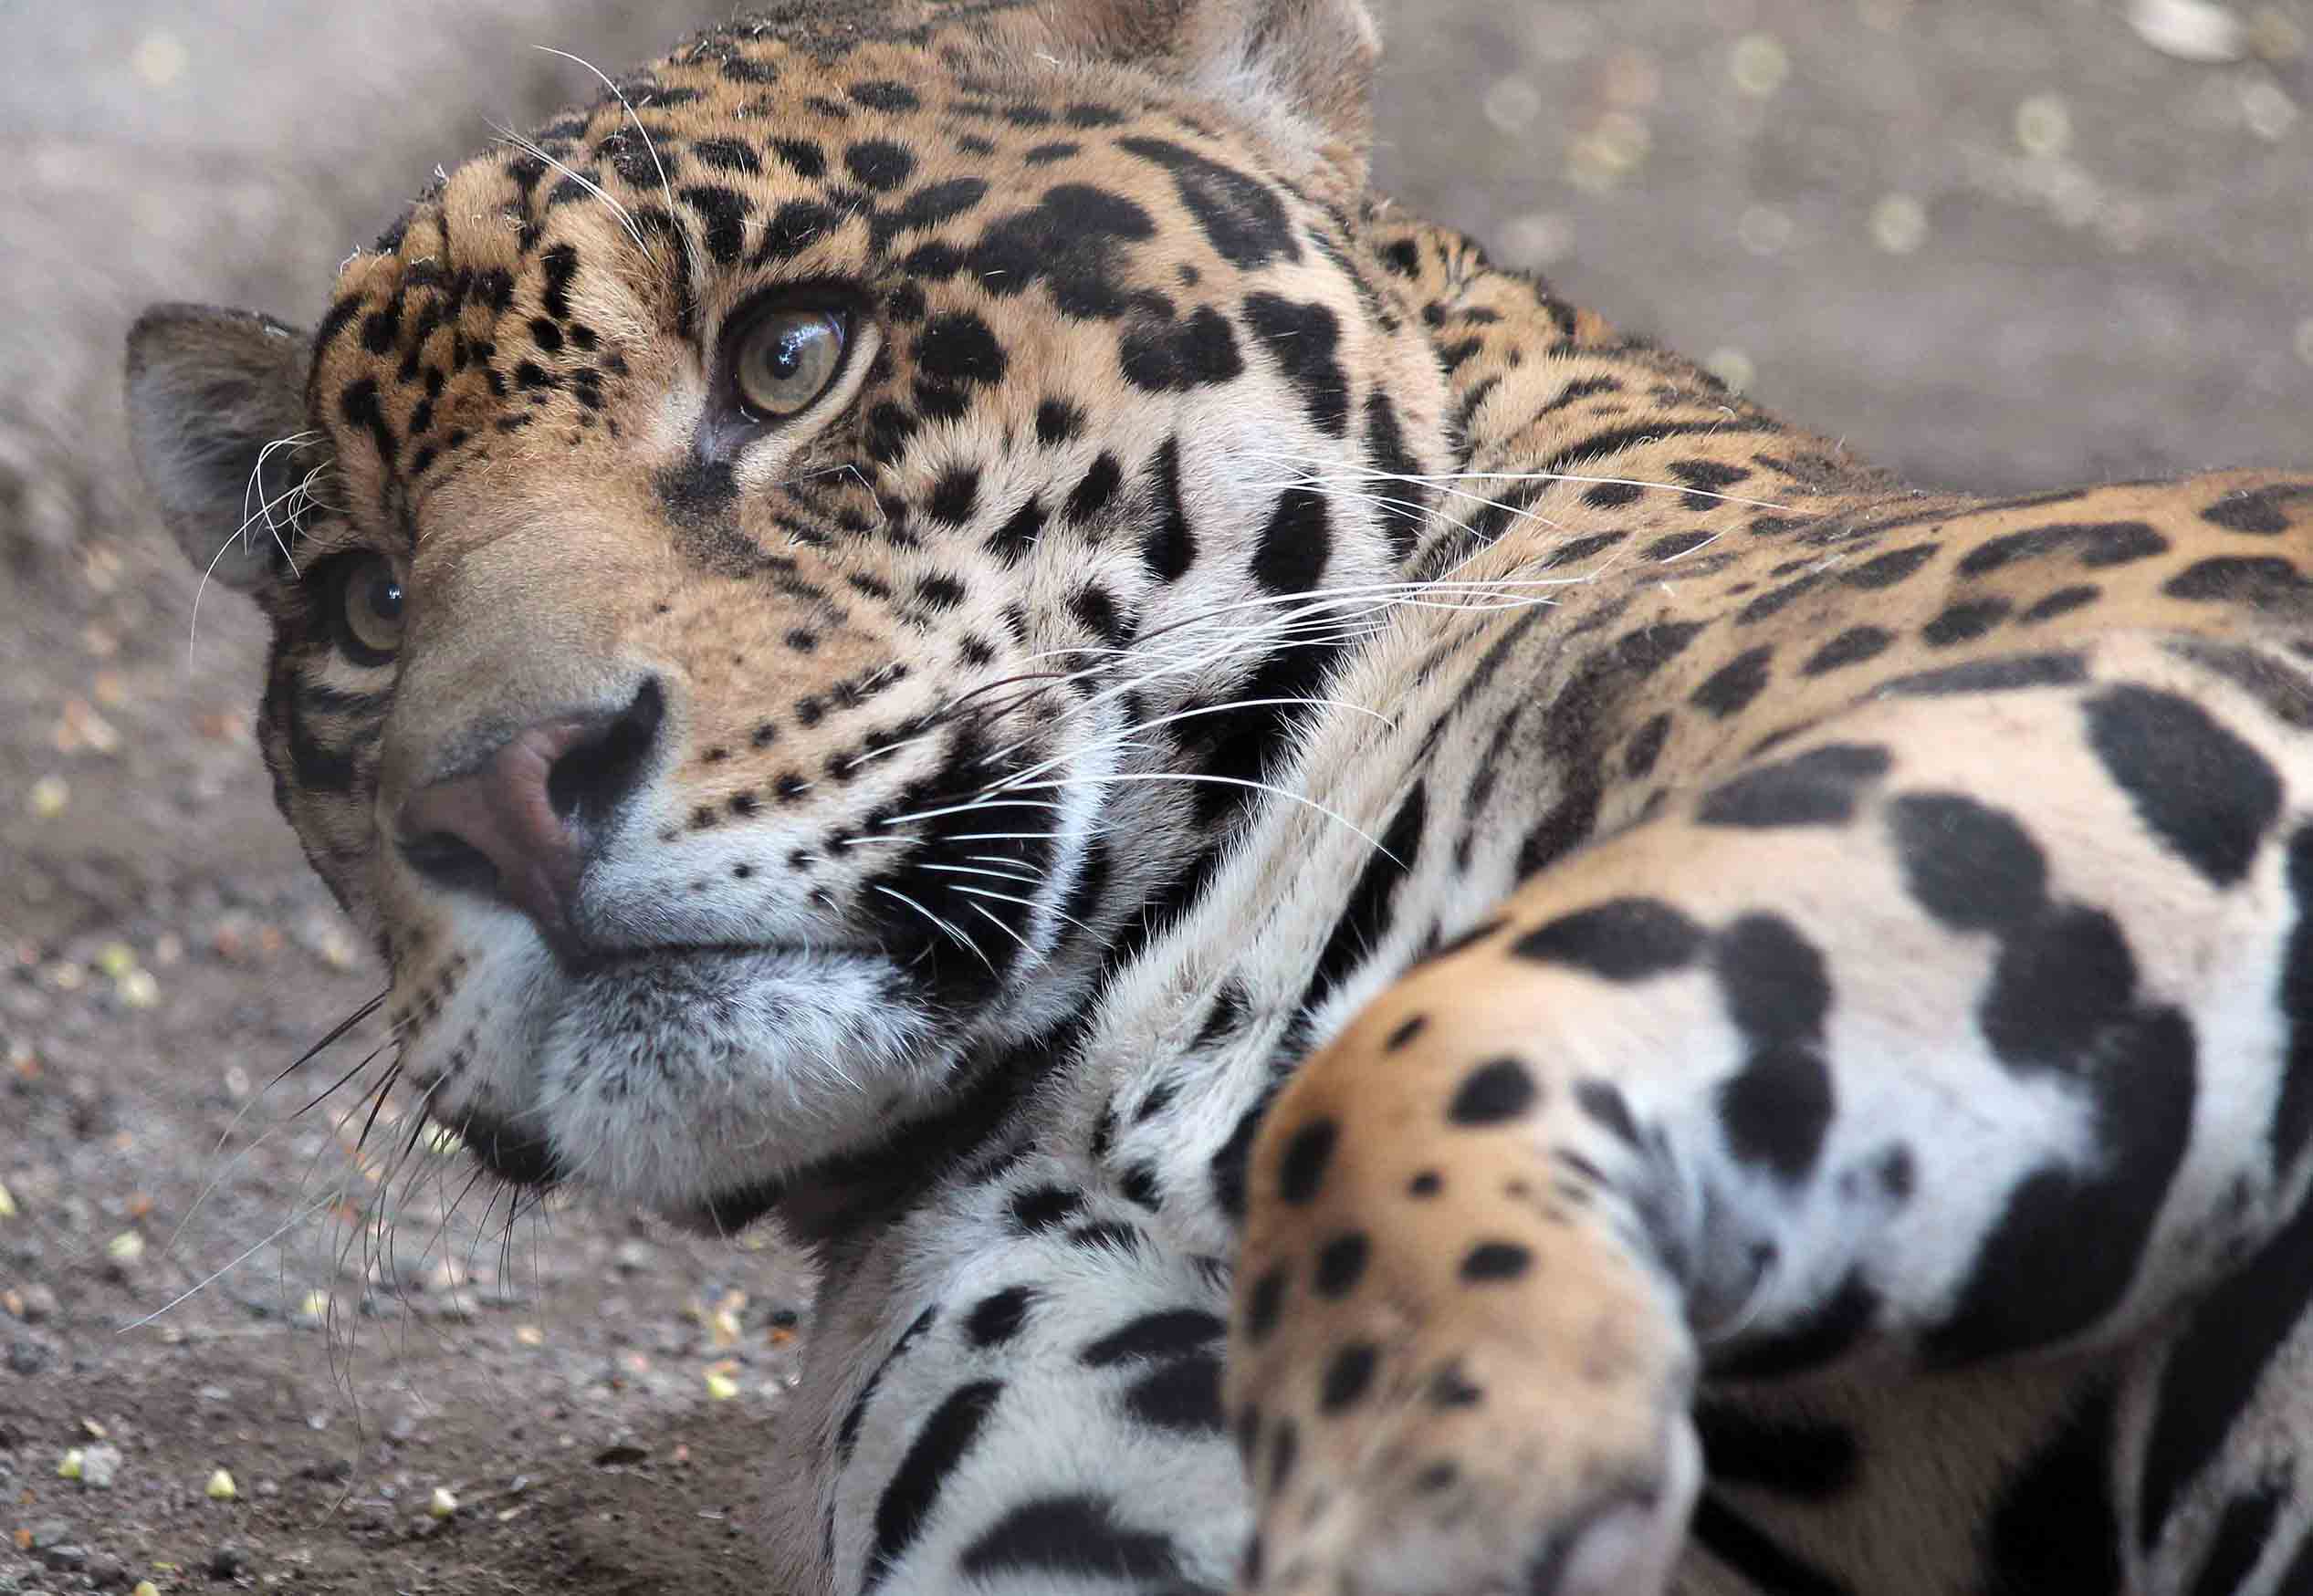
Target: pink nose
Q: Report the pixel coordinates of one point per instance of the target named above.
(523, 828)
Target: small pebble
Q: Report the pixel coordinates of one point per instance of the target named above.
(442, 1504)
(228, 1561)
(66, 1557)
(1899, 224)
(49, 797)
(720, 1387)
(2190, 30)
(99, 1465)
(1759, 65)
(7, 1203)
(2044, 126)
(27, 1357)
(221, 1488)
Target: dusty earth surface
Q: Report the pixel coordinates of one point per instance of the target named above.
(1997, 243)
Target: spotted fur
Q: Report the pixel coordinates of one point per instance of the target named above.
(1387, 944)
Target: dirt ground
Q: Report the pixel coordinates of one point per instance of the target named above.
(1998, 243)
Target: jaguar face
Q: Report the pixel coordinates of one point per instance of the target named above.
(773, 576)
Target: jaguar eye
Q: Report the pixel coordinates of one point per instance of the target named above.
(786, 359)
(366, 604)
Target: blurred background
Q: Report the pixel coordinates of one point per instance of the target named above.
(1996, 244)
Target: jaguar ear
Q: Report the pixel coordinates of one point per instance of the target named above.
(217, 408)
(1303, 70)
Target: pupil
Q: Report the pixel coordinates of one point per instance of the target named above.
(385, 599)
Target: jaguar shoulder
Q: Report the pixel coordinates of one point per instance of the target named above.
(1388, 944)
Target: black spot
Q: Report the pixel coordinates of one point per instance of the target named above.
(1887, 569)
(928, 206)
(1099, 486)
(1341, 1264)
(1497, 1091)
(1818, 788)
(2099, 544)
(2063, 601)
(1428, 1183)
(1057, 421)
(1169, 547)
(2255, 510)
(2293, 1114)
(883, 94)
(1283, 1447)
(1305, 340)
(1015, 538)
(1646, 748)
(879, 164)
(803, 157)
(1406, 1032)
(1182, 1395)
(2055, 1528)
(1386, 447)
(958, 348)
(1663, 549)
(1073, 240)
(1263, 1301)
(1364, 917)
(794, 228)
(1851, 647)
(1175, 357)
(726, 155)
(2012, 673)
(1733, 688)
(1611, 496)
(955, 496)
(1348, 1378)
(2262, 581)
(1777, 1109)
(1604, 1103)
(1971, 866)
(1563, 827)
(996, 1319)
(1041, 1208)
(1241, 216)
(1302, 1168)
(943, 1443)
(1172, 1333)
(1046, 154)
(2215, 1366)
(1095, 610)
(1070, 1538)
(1495, 1260)
(1626, 939)
(2204, 792)
(2032, 1283)
(1296, 543)
(1964, 622)
(724, 211)
(1140, 1186)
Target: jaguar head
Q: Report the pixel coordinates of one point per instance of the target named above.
(777, 576)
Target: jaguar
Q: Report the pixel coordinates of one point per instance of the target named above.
(1384, 941)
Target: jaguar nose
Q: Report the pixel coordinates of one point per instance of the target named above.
(522, 829)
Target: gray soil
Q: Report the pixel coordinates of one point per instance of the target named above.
(1993, 243)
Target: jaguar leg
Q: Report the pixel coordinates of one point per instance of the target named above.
(1959, 1029)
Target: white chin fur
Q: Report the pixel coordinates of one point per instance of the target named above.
(666, 1083)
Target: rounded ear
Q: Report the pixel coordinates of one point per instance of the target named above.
(1301, 69)
(217, 418)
